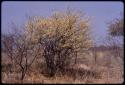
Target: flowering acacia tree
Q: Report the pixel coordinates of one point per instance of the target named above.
(62, 36)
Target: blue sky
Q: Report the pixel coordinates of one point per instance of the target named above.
(100, 13)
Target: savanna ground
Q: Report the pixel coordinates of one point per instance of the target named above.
(105, 69)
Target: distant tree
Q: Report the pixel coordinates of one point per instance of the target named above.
(115, 37)
(116, 27)
(62, 36)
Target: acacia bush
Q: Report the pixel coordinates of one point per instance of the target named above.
(61, 36)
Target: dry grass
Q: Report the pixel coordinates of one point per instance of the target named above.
(107, 69)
